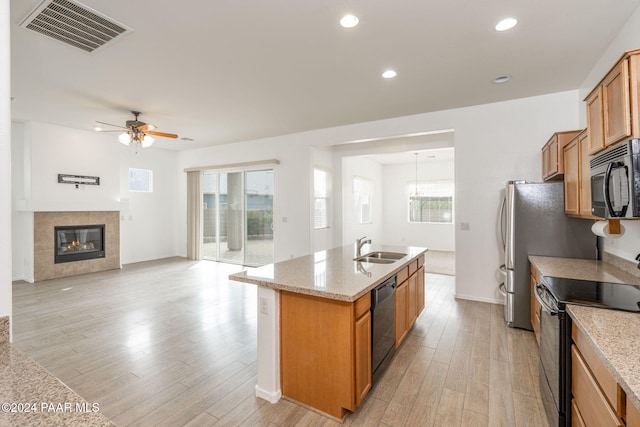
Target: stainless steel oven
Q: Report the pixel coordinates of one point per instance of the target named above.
(615, 181)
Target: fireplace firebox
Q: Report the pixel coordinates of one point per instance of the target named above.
(79, 242)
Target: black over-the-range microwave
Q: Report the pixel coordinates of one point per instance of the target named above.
(615, 181)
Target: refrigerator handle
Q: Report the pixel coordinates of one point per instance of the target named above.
(509, 250)
(502, 223)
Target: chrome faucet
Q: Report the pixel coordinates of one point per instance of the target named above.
(360, 243)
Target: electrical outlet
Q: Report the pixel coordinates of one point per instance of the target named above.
(264, 306)
(464, 226)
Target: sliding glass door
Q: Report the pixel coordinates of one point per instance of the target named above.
(238, 217)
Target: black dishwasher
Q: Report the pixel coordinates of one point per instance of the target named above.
(383, 318)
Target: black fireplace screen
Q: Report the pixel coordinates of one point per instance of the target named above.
(80, 242)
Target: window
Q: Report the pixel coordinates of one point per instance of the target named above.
(320, 199)
(362, 193)
(432, 203)
(140, 180)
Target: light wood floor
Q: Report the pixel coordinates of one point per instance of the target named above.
(173, 342)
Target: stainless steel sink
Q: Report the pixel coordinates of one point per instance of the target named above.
(374, 260)
(380, 257)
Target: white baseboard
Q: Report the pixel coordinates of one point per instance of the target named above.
(269, 396)
(23, 278)
(471, 298)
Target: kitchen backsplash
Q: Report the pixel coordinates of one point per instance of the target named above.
(621, 263)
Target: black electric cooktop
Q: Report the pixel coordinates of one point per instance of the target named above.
(614, 296)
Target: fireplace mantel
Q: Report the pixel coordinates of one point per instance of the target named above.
(28, 205)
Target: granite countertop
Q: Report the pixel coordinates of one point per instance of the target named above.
(584, 269)
(615, 335)
(39, 398)
(331, 274)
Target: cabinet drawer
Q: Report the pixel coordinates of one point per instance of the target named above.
(602, 375)
(413, 267)
(362, 305)
(421, 261)
(591, 402)
(402, 275)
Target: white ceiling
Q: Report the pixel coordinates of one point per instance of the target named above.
(409, 157)
(232, 70)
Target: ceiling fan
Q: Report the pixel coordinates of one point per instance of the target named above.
(137, 131)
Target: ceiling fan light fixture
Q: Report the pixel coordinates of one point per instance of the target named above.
(124, 138)
(147, 141)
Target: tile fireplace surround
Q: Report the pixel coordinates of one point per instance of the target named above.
(44, 241)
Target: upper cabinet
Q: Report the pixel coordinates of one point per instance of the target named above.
(577, 179)
(613, 106)
(553, 154)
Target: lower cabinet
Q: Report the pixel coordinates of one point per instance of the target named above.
(409, 297)
(597, 399)
(325, 351)
(535, 306)
(633, 415)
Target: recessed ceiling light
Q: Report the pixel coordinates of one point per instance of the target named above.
(501, 79)
(389, 74)
(506, 24)
(349, 21)
(97, 129)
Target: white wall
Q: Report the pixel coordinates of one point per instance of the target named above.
(397, 230)
(321, 239)
(628, 246)
(147, 228)
(21, 222)
(5, 161)
(351, 230)
(58, 149)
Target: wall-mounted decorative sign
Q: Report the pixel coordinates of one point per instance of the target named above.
(78, 179)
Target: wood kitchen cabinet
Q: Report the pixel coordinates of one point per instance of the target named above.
(597, 397)
(409, 297)
(577, 177)
(633, 414)
(325, 351)
(553, 154)
(535, 306)
(613, 109)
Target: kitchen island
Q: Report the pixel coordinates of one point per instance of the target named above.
(314, 327)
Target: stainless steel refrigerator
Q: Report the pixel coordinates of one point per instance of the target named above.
(533, 222)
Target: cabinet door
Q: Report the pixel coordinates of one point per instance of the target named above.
(545, 161)
(363, 356)
(595, 128)
(420, 305)
(571, 188)
(412, 299)
(535, 310)
(615, 99)
(633, 415)
(584, 175)
(401, 312)
(553, 155)
(591, 403)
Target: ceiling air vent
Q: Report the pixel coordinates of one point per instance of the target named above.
(75, 24)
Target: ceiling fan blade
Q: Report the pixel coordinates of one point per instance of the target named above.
(166, 135)
(109, 124)
(147, 127)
